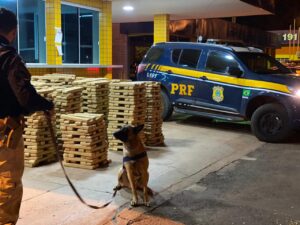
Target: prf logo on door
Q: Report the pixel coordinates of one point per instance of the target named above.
(182, 89)
(218, 94)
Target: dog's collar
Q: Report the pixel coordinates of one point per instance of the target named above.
(134, 158)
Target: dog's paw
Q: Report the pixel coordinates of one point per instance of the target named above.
(133, 202)
(147, 204)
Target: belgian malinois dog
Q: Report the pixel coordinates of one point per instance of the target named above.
(134, 172)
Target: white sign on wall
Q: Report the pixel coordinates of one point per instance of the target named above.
(58, 40)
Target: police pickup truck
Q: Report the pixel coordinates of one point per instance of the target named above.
(223, 82)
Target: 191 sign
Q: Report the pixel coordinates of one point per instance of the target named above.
(290, 37)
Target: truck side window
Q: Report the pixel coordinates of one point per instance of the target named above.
(176, 55)
(153, 55)
(220, 62)
(189, 58)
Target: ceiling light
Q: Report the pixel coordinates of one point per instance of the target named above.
(128, 8)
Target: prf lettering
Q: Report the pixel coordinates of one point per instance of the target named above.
(182, 89)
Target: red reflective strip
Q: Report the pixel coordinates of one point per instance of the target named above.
(93, 69)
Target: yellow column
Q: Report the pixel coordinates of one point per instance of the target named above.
(53, 20)
(106, 35)
(161, 28)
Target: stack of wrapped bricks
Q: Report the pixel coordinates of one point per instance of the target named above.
(84, 140)
(94, 95)
(153, 121)
(53, 80)
(127, 105)
(66, 100)
(38, 145)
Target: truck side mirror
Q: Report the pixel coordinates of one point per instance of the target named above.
(235, 71)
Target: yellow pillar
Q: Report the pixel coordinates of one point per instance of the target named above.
(105, 42)
(53, 21)
(161, 28)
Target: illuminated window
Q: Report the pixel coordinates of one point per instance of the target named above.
(30, 43)
(80, 29)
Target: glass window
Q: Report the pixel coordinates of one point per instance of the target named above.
(32, 45)
(220, 62)
(89, 36)
(80, 29)
(153, 55)
(31, 16)
(176, 55)
(70, 30)
(262, 63)
(189, 58)
(12, 6)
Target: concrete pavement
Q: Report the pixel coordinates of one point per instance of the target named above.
(194, 148)
(261, 189)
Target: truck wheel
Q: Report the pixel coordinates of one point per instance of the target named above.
(167, 106)
(271, 123)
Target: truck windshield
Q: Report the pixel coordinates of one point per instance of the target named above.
(262, 63)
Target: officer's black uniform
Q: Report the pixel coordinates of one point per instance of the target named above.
(17, 95)
(17, 98)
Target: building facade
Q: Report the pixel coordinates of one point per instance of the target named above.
(64, 36)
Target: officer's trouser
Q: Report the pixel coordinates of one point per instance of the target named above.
(11, 189)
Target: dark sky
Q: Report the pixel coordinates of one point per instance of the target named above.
(285, 12)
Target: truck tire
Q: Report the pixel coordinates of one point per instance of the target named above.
(167, 106)
(271, 123)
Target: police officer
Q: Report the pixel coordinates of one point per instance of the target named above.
(17, 98)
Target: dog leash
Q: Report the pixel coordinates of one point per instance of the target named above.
(49, 123)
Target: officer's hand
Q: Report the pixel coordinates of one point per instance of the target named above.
(50, 113)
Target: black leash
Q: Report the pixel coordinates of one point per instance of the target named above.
(48, 117)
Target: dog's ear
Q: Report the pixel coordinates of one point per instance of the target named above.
(138, 129)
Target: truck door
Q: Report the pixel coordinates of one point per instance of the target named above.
(183, 76)
(219, 88)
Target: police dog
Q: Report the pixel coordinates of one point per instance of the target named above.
(134, 172)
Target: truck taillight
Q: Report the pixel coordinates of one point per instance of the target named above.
(141, 68)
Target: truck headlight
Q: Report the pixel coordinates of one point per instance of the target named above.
(295, 91)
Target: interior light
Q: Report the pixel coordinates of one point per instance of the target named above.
(297, 93)
(128, 8)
